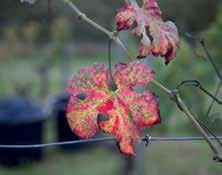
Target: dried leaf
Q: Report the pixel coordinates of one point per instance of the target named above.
(158, 37)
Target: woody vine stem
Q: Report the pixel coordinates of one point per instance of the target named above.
(173, 94)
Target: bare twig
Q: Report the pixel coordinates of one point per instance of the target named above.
(112, 35)
(213, 101)
(113, 85)
(211, 60)
(210, 131)
(197, 84)
(203, 44)
(184, 108)
(207, 52)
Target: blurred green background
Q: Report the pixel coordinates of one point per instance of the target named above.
(41, 46)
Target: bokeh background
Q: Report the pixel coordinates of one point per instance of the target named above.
(42, 45)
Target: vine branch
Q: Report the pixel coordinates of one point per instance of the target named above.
(112, 35)
(172, 94)
(197, 84)
(185, 109)
(212, 102)
(211, 60)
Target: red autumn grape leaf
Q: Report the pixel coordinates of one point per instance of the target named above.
(127, 111)
(158, 37)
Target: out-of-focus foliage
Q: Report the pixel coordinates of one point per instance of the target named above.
(61, 34)
(61, 30)
(189, 16)
(31, 31)
(185, 67)
(11, 45)
(193, 15)
(213, 38)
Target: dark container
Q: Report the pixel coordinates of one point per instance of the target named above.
(21, 122)
(64, 133)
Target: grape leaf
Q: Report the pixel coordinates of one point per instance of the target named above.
(157, 37)
(127, 111)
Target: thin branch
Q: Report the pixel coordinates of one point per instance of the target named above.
(207, 52)
(113, 36)
(213, 101)
(197, 84)
(211, 60)
(181, 105)
(113, 85)
(184, 108)
(161, 88)
(211, 132)
(109, 60)
(202, 42)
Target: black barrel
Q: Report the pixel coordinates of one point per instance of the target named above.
(21, 122)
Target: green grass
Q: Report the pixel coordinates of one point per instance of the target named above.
(22, 72)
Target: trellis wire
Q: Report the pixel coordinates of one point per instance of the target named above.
(153, 139)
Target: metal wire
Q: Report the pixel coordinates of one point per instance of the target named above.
(153, 139)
